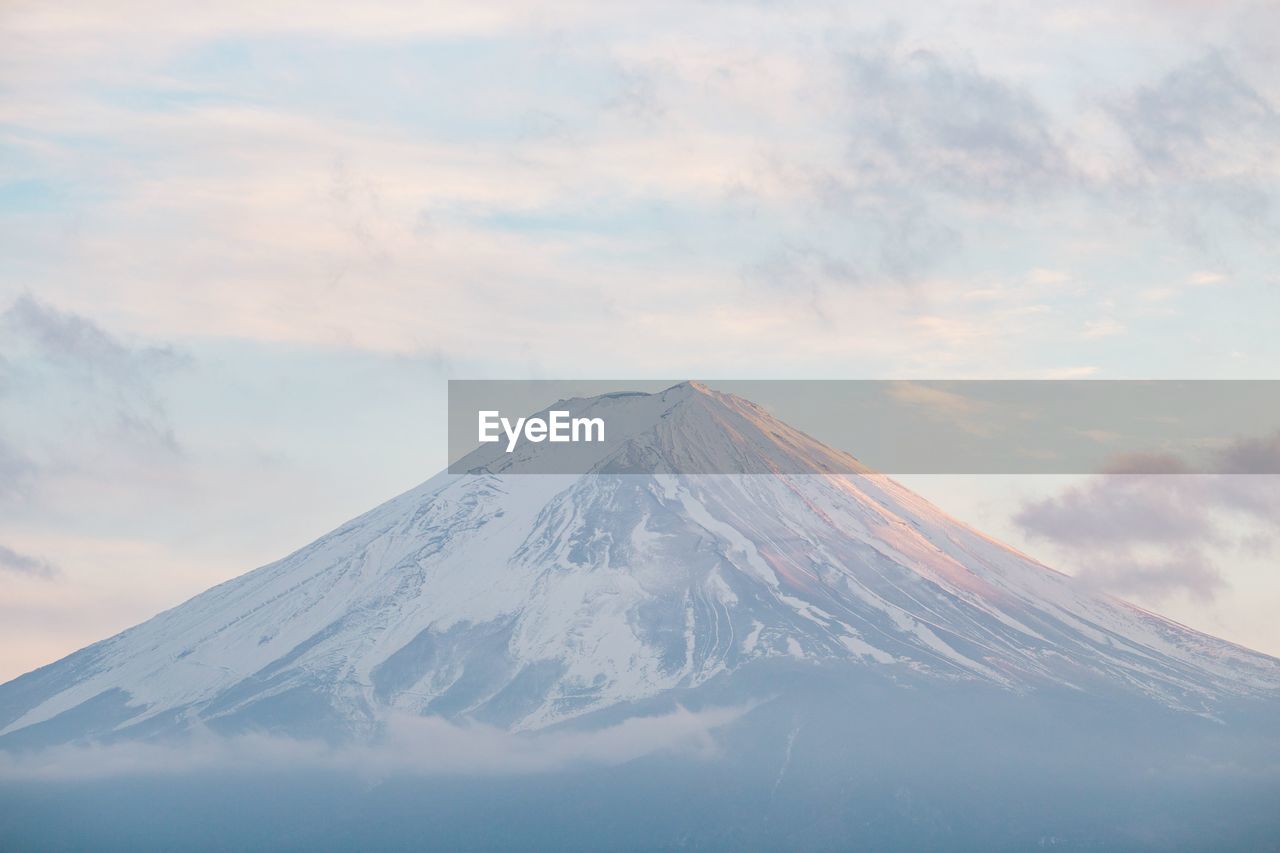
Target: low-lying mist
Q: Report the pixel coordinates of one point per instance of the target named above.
(409, 745)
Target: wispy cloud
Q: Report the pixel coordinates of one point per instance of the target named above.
(943, 402)
(615, 165)
(1204, 137)
(18, 563)
(919, 115)
(73, 396)
(1102, 329)
(96, 361)
(1182, 121)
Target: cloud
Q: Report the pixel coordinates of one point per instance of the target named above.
(1153, 525)
(1133, 534)
(920, 116)
(1206, 278)
(16, 469)
(1204, 138)
(24, 564)
(74, 396)
(1119, 509)
(1044, 277)
(1182, 120)
(82, 353)
(920, 131)
(806, 150)
(1078, 372)
(1255, 455)
(1190, 571)
(1102, 329)
(936, 144)
(412, 746)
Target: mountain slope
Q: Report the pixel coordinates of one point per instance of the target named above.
(529, 600)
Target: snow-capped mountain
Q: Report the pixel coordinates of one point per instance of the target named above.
(526, 600)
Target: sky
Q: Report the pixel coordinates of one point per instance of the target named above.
(243, 247)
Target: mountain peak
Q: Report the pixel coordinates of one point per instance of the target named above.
(690, 386)
(687, 428)
(524, 601)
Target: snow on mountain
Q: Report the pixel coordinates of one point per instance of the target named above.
(527, 600)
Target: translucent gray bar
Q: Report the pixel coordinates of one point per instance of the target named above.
(892, 427)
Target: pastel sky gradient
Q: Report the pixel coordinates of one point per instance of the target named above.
(243, 246)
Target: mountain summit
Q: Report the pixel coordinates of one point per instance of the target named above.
(525, 601)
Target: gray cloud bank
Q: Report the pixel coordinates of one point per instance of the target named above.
(1152, 525)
